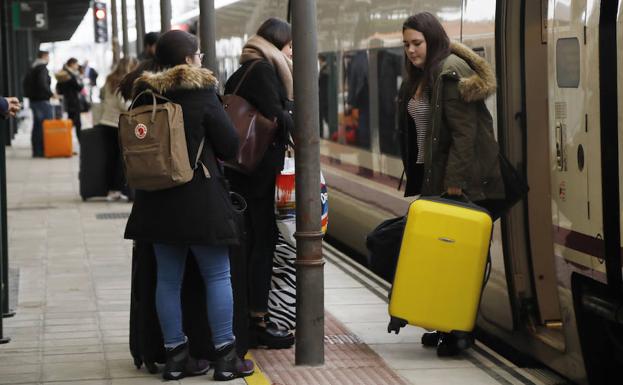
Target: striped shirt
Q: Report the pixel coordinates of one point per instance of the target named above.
(420, 111)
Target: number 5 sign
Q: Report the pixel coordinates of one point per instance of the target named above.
(31, 15)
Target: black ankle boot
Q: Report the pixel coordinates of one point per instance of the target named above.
(431, 339)
(179, 364)
(448, 346)
(269, 335)
(229, 366)
(176, 362)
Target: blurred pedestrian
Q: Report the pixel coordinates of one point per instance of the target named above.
(37, 89)
(113, 105)
(69, 84)
(149, 46)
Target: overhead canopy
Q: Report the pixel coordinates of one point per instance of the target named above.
(64, 16)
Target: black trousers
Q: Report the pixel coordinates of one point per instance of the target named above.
(262, 236)
(74, 115)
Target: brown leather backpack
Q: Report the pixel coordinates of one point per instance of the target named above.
(255, 131)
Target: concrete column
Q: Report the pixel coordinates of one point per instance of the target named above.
(115, 34)
(124, 28)
(207, 34)
(165, 15)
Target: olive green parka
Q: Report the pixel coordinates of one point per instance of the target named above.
(460, 149)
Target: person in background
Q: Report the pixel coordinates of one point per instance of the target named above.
(37, 90)
(91, 74)
(112, 106)
(149, 46)
(268, 87)
(69, 84)
(194, 216)
(9, 106)
(448, 144)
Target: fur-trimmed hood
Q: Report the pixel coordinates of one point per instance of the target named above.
(181, 77)
(62, 76)
(476, 79)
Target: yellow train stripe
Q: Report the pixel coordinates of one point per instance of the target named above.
(258, 377)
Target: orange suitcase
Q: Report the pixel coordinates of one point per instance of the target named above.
(57, 138)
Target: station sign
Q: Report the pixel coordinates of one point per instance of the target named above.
(30, 15)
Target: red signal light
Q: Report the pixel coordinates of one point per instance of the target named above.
(100, 14)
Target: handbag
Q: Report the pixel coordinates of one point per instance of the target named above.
(255, 131)
(515, 186)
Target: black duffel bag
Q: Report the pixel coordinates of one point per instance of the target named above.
(384, 246)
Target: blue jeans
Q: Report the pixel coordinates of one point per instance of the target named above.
(213, 262)
(41, 110)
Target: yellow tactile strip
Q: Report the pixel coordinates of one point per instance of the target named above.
(348, 361)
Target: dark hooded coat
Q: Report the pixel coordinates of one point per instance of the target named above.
(200, 211)
(460, 147)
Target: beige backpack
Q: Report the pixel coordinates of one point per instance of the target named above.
(153, 145)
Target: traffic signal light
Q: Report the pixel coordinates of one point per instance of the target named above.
(100, 21)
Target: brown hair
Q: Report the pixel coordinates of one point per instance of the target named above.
(437, 49)
(173, 47)
(276, 31)
(123, 67)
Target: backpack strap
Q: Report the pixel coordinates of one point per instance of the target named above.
(154, 96)
(244, 75)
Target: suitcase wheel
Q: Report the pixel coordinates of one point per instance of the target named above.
(138, 362)
(151, 367)
(463, 340)
(395, 324)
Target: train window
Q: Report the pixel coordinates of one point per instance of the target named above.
(353, 101)
(327, 89)
(568, 62)
(390, 64)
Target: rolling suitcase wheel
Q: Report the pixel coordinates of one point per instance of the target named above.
(395, 324)
(152, 368)
(463, 340)
(138, 362)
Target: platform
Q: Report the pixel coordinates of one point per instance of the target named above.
(73, 303)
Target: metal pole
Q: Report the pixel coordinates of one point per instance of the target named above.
(124, 28)
(309, 348)
(115, 32)
(165, 15)
(207, 34)
(5, 36)
(140, 26)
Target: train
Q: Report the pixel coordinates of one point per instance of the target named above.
(554, 293)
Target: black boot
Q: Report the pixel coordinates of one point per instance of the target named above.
(179, 364)
(229, 366)
(430, 339)
(267, 334)
(448, 346)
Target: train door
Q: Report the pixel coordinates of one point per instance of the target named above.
(574, 122)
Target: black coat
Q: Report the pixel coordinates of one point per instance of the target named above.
(200, 211)
(69, 85)
(265, 91)
(37, 87)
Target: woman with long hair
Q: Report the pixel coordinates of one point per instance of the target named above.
(448, 144)
(112, 106)
(268, 86)
(196, 216)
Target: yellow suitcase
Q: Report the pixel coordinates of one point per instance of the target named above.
(441, 266)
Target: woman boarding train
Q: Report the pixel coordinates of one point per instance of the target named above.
(448, 145)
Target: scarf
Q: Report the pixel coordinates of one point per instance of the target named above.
(259, 48)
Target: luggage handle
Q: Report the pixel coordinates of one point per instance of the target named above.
(459, 198)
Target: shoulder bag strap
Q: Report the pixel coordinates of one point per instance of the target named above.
(245, 75)
(198, 162)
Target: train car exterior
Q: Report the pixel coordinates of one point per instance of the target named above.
(557, 254)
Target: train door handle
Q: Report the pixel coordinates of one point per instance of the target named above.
(560, 153)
